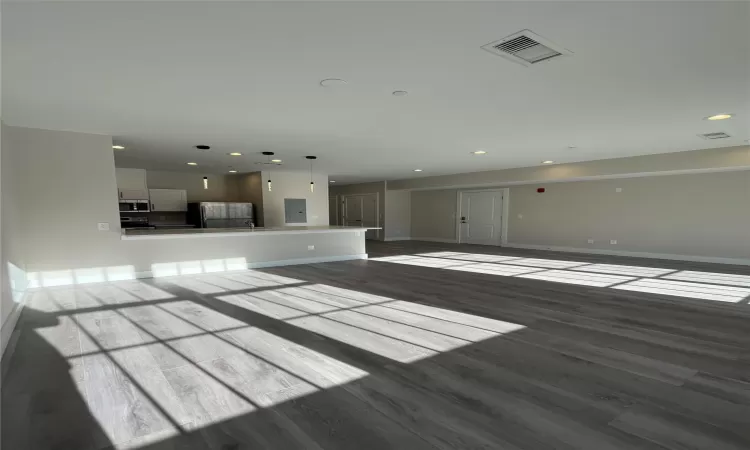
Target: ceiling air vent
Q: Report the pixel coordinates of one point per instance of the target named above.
(526, 48)
(711, 136)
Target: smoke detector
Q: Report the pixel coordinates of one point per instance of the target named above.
(526, 48)
(712, 136)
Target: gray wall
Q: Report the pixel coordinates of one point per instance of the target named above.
(433, 215)
(221, 188)
(719, 158)
(67, 187)
(250, 189)
(706, 215)
(397, 214)
(12, 261)
(291, 184)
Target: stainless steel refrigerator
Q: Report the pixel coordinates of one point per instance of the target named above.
(221, 215)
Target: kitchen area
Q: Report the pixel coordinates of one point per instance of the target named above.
(189, 220)
(178, 203)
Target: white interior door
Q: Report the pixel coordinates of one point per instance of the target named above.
(481, 217)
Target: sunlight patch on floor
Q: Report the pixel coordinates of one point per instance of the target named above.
(506, 270)
(151, 364)
(711, 277)
(684, 289)
(582, 279)
(424, 262)
(617, 269)
(477, 257)
(398, 330)
(700, 285)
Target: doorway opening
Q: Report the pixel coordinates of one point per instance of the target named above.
(361, 210)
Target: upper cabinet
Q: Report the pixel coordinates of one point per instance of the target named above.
(168, 199)
(131, 184)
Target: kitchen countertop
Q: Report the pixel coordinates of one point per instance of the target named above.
(222, 232)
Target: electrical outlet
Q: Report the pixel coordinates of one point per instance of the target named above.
(311, 247)
(520, 216)
(613, 241)
(591, 241)
(618, 189)
(103, 226)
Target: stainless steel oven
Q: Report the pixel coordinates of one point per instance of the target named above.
(134, 206)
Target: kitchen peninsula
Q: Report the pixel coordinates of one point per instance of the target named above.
(135, 234)
(181, 251)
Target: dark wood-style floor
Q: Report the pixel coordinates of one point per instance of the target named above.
(576, 366)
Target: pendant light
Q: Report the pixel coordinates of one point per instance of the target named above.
(269, 155)
(312, 185)
(205, 182)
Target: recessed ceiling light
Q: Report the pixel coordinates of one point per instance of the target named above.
(417, 170)
(400, 93)
(235, 154)
(192, 164)
(275, 160)
(203, 147)
(572, 146)
(232, 171)
(479, 152)
(331, 181)
(331, 82)
(548, 162)
(719, 117)
(118, 147)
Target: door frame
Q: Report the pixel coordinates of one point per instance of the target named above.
(505, 194)
(377, 209)
(335, 199)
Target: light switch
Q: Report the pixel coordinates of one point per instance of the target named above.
(103, 226)
(618, 189)
(311, 247)
(591, 241)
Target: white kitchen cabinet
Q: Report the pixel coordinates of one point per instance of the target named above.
(131, 184)
(168, 199)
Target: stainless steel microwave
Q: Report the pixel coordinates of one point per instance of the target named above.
(134, 206)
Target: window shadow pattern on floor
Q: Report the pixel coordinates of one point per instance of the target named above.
(719, 287)
(150, 362)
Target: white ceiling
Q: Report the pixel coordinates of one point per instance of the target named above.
(163, 77)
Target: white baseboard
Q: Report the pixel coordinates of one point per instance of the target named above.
(445, 241)
(292, 262)
(7, 329)
(597, 251)
(392, 239)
